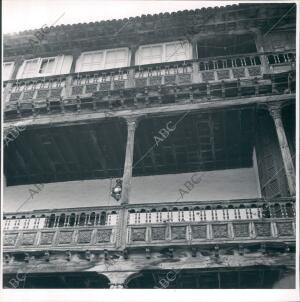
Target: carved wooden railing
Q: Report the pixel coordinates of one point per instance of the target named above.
(60, 229)
(152, 224)
(145, 85)
(217, 222)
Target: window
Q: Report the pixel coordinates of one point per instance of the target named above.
(40, 67)
(30, 68)
(7, 70)
(151, 54)
(226, 45)
(92, 61)
(47, 66)
(104, 59)
(177, 51)
(116, 58)
(166, 52)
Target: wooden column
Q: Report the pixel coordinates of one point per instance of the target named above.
(259, 41)
(126, 185)
(194, 42)
(127, 174)
(275, 112)
(133, 50)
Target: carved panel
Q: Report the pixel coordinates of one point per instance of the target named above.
(223, 74)
(42, 93)
(105, 86)
(84, 236)
(28, 94)
(119, 84)
(28, 238)
(155, 80)
(263, 229)
(158, 233)
(10, 239)
(220, 230)
(241, 229)
(46, 238)
(178, 232)
(199, 231)
(103, 235)
(208, 76)
(285, 228)
(238, 72)
(65, 237)
(55, 93)
(91, 88)
(14, 96)
(184, 78)
(141, 82)
(138, 234)
(254, 71)
(170, 79)
(76, 90)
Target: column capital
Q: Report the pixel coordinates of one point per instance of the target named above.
(118, 279)
(134, 47)
(132, 121)
(275, 110)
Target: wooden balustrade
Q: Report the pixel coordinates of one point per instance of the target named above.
(141, 85)
(61, 220)
(216, 212)
(154, 224)
(270, 229)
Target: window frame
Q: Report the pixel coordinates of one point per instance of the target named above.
(12, 63)
(38, 67)
(79, 64)
(138, 56)
(48, 59)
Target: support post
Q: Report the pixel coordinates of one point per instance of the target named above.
(127, 174)
(275, 112)
(126, 185)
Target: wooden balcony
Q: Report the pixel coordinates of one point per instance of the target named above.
(153, 225)
(202, 80)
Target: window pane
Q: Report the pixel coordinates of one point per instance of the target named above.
(7, 70)
(151, 54)
(177, 52)
(30, 68)
(92, 61)
(116, 58)
(47, 66)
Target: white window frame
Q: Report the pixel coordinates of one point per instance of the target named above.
(79, 64)
(12, 67)
(164, 58)
(38, 67)
(48, 59)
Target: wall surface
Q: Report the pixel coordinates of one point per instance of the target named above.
(213, 185)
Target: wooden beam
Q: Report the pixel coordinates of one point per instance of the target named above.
(199, 104)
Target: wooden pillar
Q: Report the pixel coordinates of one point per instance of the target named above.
(127, 175)
(133, 50)
(126, 185)
(194, 42)
(275, 112)
(131, 73)
(259, 40)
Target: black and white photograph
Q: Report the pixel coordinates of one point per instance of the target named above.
(150, 151)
